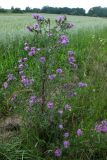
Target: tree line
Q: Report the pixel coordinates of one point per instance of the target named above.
(95, 11)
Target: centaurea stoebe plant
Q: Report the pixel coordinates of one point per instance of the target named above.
(44, 85)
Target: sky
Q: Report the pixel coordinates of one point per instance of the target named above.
(86, 4)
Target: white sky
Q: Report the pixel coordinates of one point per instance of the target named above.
(86, 4)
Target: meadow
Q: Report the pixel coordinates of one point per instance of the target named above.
(88, 39)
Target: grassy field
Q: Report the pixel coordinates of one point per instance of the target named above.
(89, 41)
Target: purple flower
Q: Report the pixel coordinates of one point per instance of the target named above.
(102, 127)
(32, 52)
(42, 60)
(38, 17)
(61, 19)
(11, 77)
(26, 48)
(32, 100)
(59, 70)
(81, 84)
(5, 85)
(36, 27)
(21, 66)
(71, 60)
(52, 76)
(50, 105)
(58, 152)
(71, 53)
(60, 126)
(79, 132)
(70, 25)
(67, 107)
(66, 144)
(30, 28)
(64, 39)
(26, 81)
(25, 59)
(66, 134)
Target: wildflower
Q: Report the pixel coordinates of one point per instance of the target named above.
(81, 84)
(66, 144)
(61, 19)
(64, 39)
(60, 126)
(66, 134)
(11, 77)
(30, 28)
(71, 60)
(26, 48)
(71, 53)
(5, 85)
(32, 100)
(58, 152)
(26, 81)
(32, 51)
(36, 27)
(59, 70)
(79, 132)
(102, 127)
(38, 17)
(50, 105)
(21, 66)
(42, 60)
(70, 25)
(52, 76)
(67, 107)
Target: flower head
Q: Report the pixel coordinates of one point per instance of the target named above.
(81, 84)
(67, 107)
(60, 126)
(32, 52)
(32, 100)
(30, 28)
(59, 70)
(5, 85)
(66, 144)
(58, 152)
(79, 132)
(11, 77)
(71, 60)
(36, 27)
(66, 134)
(26, 81)
(71, 53)
(101, 127)
(38, 17)
(70, 25)
(43, 59)
(60, 19)
(63, 40)
(50, 105)
(52, 76)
